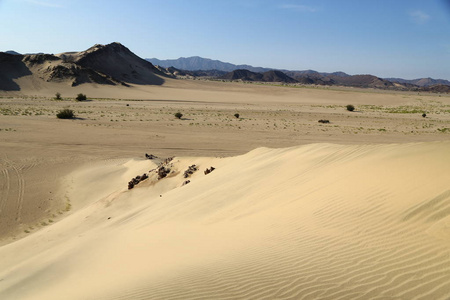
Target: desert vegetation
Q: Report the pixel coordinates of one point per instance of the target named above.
(81, 97)
(65, 114)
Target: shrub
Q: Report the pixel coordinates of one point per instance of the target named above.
(81, 97)
(350, 107)
(58, 96)
(178, 115)
(237, 116)
(424, 115)
(65, 114)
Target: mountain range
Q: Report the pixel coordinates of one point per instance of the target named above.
(196, 63)
(115, 64)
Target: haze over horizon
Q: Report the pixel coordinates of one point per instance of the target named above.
(407, 39)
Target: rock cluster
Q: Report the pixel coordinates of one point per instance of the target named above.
(162, 172)
(207, 171)
(151, 156)
(190, 171)
(164, 168)
(134, 181)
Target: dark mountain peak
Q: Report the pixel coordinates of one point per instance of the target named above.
(114, 47)
(118, 62)
(12, 52)
(195, 57)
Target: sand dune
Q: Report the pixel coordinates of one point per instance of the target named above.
(316, 221)
(344, 214)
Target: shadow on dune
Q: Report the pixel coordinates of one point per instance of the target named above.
(12, 68)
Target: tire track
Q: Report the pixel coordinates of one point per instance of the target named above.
(20, 187)
(5, 190)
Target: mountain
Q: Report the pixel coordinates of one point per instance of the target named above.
(242, 74)
(269, 76)
(195, 63)
(178, 73)
(311, 77)
(364, 81)
(438, 88)
(277, 76)
(119, 62)
(421, 81)
(111, 64)
(47, 68)
(12, 52)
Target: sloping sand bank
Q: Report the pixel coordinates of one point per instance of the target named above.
(319, 221)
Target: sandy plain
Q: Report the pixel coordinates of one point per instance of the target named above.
(358, 208)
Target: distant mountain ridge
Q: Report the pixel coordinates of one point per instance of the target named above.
(196, 63)
(12, 52)
(269, 76)
(420, 81)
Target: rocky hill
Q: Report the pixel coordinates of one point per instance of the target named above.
(111, 64)
(119, 62)
(269, 76)
(421, 81)
(364, 81)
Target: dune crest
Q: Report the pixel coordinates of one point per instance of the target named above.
(317, 221)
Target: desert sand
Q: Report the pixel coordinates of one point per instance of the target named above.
(355, 209)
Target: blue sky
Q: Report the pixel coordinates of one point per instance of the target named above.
(386, 38)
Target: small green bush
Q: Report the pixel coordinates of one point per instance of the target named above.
(81, 97)
(178, 115)
(350, 107)
(65, 114)
(237, 116)
(58, 96)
